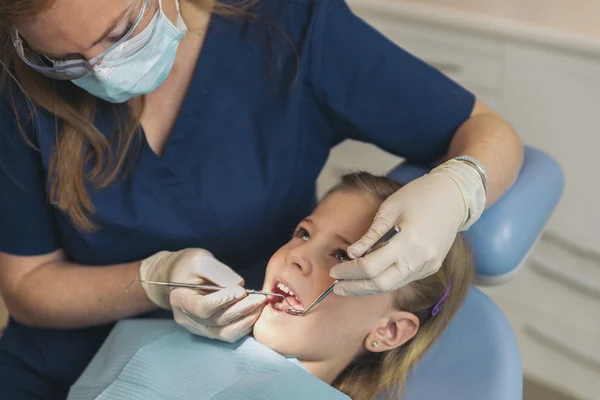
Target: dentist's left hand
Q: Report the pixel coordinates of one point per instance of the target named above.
(226, 315)
(429, 211)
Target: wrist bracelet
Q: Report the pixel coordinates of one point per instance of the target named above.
(477, 166)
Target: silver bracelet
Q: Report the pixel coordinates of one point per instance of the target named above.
(477, 166)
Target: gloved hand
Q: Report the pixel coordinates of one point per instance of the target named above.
(429, 211)
(227, 315)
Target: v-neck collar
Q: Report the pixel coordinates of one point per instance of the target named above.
(197, 87)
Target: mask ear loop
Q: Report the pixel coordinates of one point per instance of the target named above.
(180, 24)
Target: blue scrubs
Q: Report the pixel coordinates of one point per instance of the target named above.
(267, 102)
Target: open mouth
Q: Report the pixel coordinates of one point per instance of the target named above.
(284, 289)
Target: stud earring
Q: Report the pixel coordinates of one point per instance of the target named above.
(374, 343)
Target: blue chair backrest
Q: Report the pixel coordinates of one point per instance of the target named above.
(478, 357)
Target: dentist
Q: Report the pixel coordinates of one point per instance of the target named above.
(181, 140)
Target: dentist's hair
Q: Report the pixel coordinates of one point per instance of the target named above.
(373, 373)
(78, 140)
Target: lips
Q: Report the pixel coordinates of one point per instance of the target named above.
(281, 286)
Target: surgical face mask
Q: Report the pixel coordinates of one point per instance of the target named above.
(140, 65)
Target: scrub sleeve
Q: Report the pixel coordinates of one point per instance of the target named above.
(26, 217)
(26, 228)
(378, 93)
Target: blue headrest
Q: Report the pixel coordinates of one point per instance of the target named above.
(506, 232)
(476, 358)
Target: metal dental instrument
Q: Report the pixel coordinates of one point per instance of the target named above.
(302, 313)
(212, 288)
(378, 244)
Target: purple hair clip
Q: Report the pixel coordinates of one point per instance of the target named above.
(440, 304)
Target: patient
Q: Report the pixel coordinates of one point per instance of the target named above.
(359, 345)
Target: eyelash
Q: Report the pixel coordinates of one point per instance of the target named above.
(340, 255)
(116, 39)
(63, 59)
(112, 40)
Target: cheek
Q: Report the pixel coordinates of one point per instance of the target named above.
(285, 334)
(274, 264)
(357, 315)
(336, 326)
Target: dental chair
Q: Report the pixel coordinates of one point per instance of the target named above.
(477, 357)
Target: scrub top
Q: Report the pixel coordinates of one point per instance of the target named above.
(271, 94)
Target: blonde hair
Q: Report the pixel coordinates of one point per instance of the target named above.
(373, 373)
(79, 141)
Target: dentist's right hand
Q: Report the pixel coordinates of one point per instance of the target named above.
(226, 315)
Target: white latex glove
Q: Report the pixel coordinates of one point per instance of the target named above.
(429, 211)
(227, 314)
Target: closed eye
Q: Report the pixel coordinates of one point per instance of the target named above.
(117, 38)
(74, 56)
(68, 57)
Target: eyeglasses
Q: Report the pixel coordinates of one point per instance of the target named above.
(71, 69)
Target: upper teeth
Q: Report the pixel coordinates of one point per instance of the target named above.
(285, 289)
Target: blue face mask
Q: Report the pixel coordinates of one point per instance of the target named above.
(140, 65)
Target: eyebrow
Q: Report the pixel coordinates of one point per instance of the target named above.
(343, 239)
(106, 33)
(340, 237)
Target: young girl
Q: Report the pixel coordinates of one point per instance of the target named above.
(361, 346)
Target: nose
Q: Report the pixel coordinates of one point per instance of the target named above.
(299, 258)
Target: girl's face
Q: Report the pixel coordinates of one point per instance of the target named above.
(339, 328)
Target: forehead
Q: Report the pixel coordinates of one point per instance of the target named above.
(71, 25)
(346, 212)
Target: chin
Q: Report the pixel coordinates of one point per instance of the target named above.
(267, 334)
(273, 336)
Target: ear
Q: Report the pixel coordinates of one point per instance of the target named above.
(398, 329)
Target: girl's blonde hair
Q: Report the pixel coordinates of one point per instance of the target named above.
(373, 373)
(78, 141)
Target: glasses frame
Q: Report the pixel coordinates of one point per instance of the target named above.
(87, 65)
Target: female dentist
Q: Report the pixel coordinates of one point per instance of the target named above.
(151, 138)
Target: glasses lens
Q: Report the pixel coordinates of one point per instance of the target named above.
(67, 70)
(145, 13)
(75, 69)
